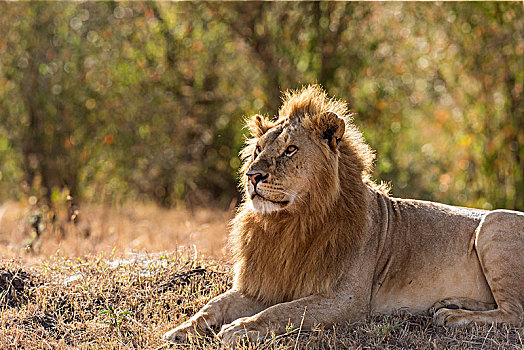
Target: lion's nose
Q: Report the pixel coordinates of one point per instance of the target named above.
(256, 176)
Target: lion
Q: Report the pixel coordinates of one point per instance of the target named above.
(317, 242)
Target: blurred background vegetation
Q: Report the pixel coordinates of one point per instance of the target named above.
(120, 101)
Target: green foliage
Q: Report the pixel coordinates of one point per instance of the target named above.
(118, 101)
(115, 318)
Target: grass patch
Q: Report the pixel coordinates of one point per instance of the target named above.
(129, 301)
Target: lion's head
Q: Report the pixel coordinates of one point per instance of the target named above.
(293, 162)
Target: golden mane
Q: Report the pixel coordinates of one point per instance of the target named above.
(307, 248)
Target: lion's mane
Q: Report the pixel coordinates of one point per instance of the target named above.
(281, 256)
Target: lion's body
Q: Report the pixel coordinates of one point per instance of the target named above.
(421, 255)
(316, 241)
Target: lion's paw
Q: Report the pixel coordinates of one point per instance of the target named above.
(467, 304)
(241, 330)
(182, 333)
(177, 334)
(452, 317)
(195, 327)
(448, 303)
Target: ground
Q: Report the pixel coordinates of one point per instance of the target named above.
(101, 291)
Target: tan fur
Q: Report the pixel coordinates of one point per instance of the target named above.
(315, 241)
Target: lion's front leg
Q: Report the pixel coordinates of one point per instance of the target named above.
(303, 313)
(219, 311)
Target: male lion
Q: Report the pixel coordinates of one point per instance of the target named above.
(316, 242)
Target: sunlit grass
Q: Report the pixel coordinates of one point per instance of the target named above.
(124, 299)
(128, 302)
(133, 227)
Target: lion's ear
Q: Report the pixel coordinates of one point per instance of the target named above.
(331, 128)
(258, 125)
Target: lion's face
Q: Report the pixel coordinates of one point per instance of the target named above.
(279, 170)
(288, 162)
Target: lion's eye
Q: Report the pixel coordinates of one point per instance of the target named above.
(290, 150)
(258, 149)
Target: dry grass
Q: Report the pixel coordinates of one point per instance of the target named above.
(102, 302)
(82, 298)
(130, 228)
(129, 302)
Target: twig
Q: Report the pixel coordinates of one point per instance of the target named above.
(300, 328)
(163, 346)
(486, 337)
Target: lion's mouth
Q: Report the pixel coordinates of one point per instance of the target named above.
(282, 203)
